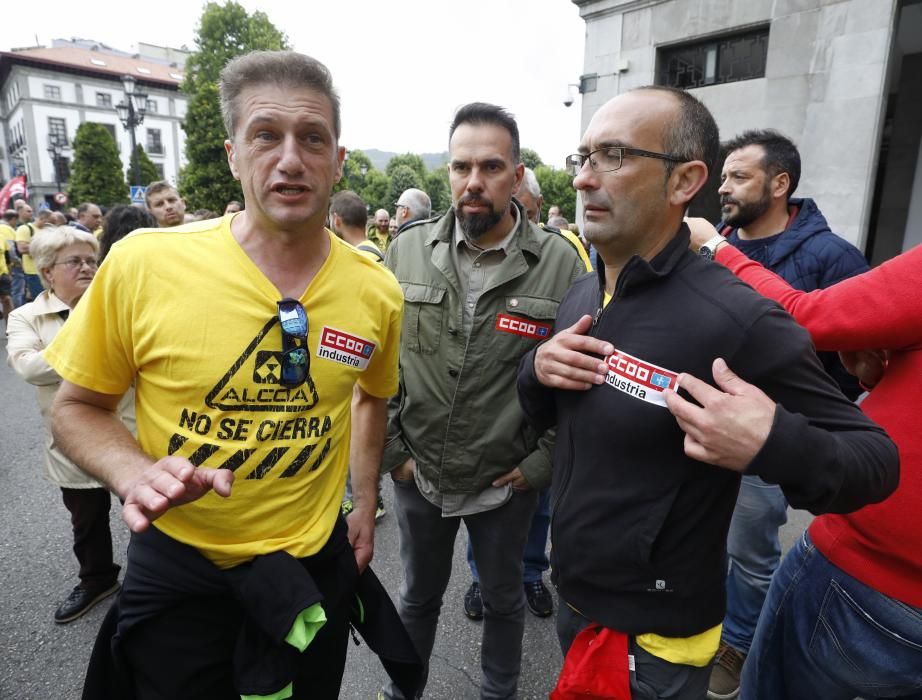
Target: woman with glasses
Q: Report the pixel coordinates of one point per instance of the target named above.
(66, 261)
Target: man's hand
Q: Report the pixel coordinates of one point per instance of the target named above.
(514, 479)
(730, 426)
(565, 362)
(361, 523)
(169, 482)
(701, 232)
(868, 365)
(405, 471)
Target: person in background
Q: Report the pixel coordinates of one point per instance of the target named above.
(164, 202)
(843, 615)
(66, 259)
(119, 222)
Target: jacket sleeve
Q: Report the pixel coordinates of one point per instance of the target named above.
(536, 400)
(536, 467)
(826, 455)
(24, 352)
(395, 449)
(878, 309)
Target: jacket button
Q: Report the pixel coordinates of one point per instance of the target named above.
(452, 373)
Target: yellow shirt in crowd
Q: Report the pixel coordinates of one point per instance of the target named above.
(196, 322)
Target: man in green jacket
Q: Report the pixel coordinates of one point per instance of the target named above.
(481, 287)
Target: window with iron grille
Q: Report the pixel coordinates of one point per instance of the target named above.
(103, 99)
(152, 106)
(57, 130)
(725, 59)
(62, 169)
(154, 145)
(52, 92)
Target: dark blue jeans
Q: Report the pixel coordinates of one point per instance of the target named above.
(535, 559)
(824, 634)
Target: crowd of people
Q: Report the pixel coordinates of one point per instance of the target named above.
(624, 391)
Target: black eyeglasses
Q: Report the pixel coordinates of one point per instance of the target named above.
(605, 160)
(296, 358)
(398, 205)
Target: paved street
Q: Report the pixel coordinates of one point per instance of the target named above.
(44, 661)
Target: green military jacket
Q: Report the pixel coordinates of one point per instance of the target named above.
(456, 412)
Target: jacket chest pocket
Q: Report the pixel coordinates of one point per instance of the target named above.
(522, 323)
(422, 317)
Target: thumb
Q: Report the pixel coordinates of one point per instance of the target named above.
(726, 378)
(582, 326)
(220, 480)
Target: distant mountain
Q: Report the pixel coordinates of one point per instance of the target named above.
(380, 159)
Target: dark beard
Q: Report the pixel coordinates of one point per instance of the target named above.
(475, 225)
(747, 212)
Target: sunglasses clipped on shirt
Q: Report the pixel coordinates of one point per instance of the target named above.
(296, 358)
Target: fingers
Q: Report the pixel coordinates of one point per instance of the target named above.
(727, 379)
(571, 361)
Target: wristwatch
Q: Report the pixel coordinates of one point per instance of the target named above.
(709, 249)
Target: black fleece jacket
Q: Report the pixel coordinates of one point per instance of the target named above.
(639, 530)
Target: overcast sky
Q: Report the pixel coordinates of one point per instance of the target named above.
(402, 67)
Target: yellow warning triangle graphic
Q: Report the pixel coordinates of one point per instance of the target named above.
(252, 382)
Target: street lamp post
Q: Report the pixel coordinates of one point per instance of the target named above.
(55, 150)
(131, 112)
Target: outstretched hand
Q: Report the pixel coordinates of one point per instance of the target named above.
(731, 424)
(168, 482)
(570, 359)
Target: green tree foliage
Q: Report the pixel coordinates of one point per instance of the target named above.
(148, 171)
(96, 174)
(531, 159)
(353, 178)
(224, 32)
(438, 189)
(376, 190)
(557, 188)
(413, 161)
(403, 177)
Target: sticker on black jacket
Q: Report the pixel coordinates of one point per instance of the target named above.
(638, 378)
(522, 326)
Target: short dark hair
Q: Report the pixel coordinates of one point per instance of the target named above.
(82, 209)
(10, 215)
(693, 135)
(350, 208)
(285, 68)
(119, 222)
(477, 113)
(155, 187)
(781, 155)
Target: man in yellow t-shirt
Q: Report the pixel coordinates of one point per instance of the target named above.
(24, 234)
(244, 366)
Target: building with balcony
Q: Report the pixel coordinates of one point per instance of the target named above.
(46, 93)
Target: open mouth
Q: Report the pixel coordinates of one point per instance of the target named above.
(289, 190)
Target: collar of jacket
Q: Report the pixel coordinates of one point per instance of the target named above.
(525, 239)
(638, 271)
(47, 303)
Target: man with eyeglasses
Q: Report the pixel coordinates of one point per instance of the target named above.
(242, 575)
(412, 205)
(481, 285)
(789, 236)
(641, 507)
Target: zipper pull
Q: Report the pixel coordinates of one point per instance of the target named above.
(598, 315)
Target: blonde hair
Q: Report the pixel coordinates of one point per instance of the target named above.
(51, 240)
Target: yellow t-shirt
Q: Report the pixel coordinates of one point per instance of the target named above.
(6, 234)
(25, 233)
(196, 322)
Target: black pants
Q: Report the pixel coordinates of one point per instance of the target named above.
(187, 650)
(89, 517)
